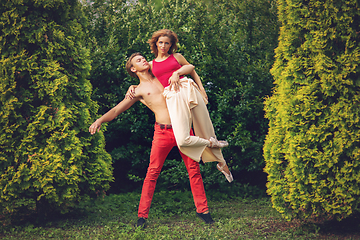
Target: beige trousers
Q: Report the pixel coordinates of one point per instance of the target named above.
(187, 107)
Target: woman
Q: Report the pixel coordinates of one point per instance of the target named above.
(186, 101)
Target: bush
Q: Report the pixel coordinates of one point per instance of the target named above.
(47, 156)
(312, 148)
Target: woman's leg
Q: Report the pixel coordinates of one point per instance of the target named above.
(187, 107)
(179, 107)
(203, 128)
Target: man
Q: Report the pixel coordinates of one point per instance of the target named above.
(150, 93)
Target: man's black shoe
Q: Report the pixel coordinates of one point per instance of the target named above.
(205, 217)
(141, 223)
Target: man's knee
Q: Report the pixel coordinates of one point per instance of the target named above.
(193, 171)
(153, 173)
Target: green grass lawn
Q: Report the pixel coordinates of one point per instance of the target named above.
(172, 216)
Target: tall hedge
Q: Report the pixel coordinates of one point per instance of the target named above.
(231, 44)
(312, 149)
(47, 157)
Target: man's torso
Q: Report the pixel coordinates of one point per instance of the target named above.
(151, 93)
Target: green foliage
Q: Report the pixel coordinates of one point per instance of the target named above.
(231, 44)
(243, 78)
(312, 148)
(47, 157)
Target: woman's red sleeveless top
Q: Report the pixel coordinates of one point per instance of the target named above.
(163, 70)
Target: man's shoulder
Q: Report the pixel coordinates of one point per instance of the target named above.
(143, 87)
(140, 88)
(149, 86)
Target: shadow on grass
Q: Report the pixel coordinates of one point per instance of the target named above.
(32, 217)
(348, 228)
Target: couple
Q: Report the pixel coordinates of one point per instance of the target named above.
(173, 119)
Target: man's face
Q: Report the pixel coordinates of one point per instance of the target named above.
(139, 64)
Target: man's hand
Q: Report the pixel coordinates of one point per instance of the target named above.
(130, 94)
(95, 127)
(174, 81)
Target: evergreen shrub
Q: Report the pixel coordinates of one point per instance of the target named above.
(47, 156)
(312, 148)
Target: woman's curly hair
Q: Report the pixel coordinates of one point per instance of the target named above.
(163, 33)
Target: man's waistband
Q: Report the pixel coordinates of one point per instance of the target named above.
(164, 126)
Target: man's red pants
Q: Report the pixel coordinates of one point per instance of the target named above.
(163, 142)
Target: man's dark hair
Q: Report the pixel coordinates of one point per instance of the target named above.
(129, 65)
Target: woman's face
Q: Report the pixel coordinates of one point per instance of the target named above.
(163, 44)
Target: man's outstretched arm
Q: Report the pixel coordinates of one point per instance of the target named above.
(124, 105)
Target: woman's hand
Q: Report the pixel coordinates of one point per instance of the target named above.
(174, 81)
(130, 94)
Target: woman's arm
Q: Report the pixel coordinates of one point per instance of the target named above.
(197, 80)
(182, 61)
(186, 68)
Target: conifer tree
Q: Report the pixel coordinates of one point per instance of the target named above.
(312, 149)
(47, 156)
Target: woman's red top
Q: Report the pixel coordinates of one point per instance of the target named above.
(164, 69)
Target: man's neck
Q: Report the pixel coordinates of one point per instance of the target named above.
(145, 76)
